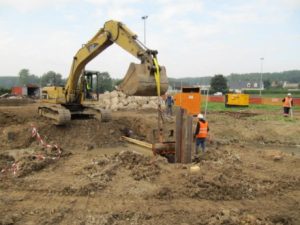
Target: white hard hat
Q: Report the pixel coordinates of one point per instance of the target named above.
(289, 94)
(200, 116)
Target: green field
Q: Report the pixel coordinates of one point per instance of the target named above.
(220, 106)
(275, 95)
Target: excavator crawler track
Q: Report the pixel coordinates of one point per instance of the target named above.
(56, 113)
(100, 114)
(105, 115)
(60, 115)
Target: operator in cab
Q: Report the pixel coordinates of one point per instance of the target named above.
(87, 88)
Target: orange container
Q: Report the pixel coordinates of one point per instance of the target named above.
(189, 99)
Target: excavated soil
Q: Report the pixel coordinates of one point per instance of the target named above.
(15, 102)
(250, 174)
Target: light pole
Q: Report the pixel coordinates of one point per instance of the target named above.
(144, 18)
(261, 71)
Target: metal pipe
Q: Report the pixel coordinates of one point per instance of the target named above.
(144, 18)
(261, 69)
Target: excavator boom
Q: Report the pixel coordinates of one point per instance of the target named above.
(140, 78)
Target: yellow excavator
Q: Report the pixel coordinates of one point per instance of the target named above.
(62, 104)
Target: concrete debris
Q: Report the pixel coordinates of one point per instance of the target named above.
(2, 96)
(117, 100)
(277, 158)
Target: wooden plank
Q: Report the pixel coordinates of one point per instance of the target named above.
(138, 142)
(3, 95)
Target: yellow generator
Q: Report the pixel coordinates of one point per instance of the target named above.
(239, 100)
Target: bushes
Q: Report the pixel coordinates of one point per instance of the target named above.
(4, 90)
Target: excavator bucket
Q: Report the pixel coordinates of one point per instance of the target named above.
(139, 81)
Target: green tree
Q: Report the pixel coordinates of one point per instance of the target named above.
(218, 84)
(24, 76)
(116, 81)
(267, 84)
(104, 82)
(51, 79)
(4, 90)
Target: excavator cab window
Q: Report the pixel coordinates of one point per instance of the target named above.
(90, 85)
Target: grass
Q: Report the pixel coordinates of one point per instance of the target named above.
(270, 112)
(275, 95)
(273, 117)
(220, 106)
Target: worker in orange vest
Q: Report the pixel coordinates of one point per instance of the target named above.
(201, 133)
(287, 104)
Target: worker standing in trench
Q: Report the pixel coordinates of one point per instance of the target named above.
(201, 132)
(169, 103)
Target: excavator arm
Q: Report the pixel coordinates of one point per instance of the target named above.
(144, 79)
(139, 80)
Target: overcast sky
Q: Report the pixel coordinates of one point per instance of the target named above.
(193, 37)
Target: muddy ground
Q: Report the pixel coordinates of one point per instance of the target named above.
(88, 175)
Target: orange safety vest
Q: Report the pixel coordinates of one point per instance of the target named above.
(287, 102)
(203, 129)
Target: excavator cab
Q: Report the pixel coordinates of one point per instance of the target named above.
(90, 85)
(140, 81)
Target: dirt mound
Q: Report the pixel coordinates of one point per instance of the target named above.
(16, 128)
(224, 175)
(221, 187)
(6, 161)
(84, 134)
(117, 218)
(7, 118)
(29, 163)
(61, 215)
(102, 172)
(140, 166)
(79, 134)
(233, 217)
(15, 102)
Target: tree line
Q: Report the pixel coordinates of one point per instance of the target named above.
(51, 78)
(291, 76)
(106, 83)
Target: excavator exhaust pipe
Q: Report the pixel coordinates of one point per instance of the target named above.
(139, 81)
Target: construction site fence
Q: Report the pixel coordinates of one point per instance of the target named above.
(257, 100)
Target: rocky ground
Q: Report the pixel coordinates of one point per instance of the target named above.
(88, 175)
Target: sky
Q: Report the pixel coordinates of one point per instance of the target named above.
(194, 38)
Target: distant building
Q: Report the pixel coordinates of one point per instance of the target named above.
(204, 87)
(244, 85)
(290, 85)
(30, 90)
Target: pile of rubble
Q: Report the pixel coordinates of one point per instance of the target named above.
(13, 100)
(117, 100)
